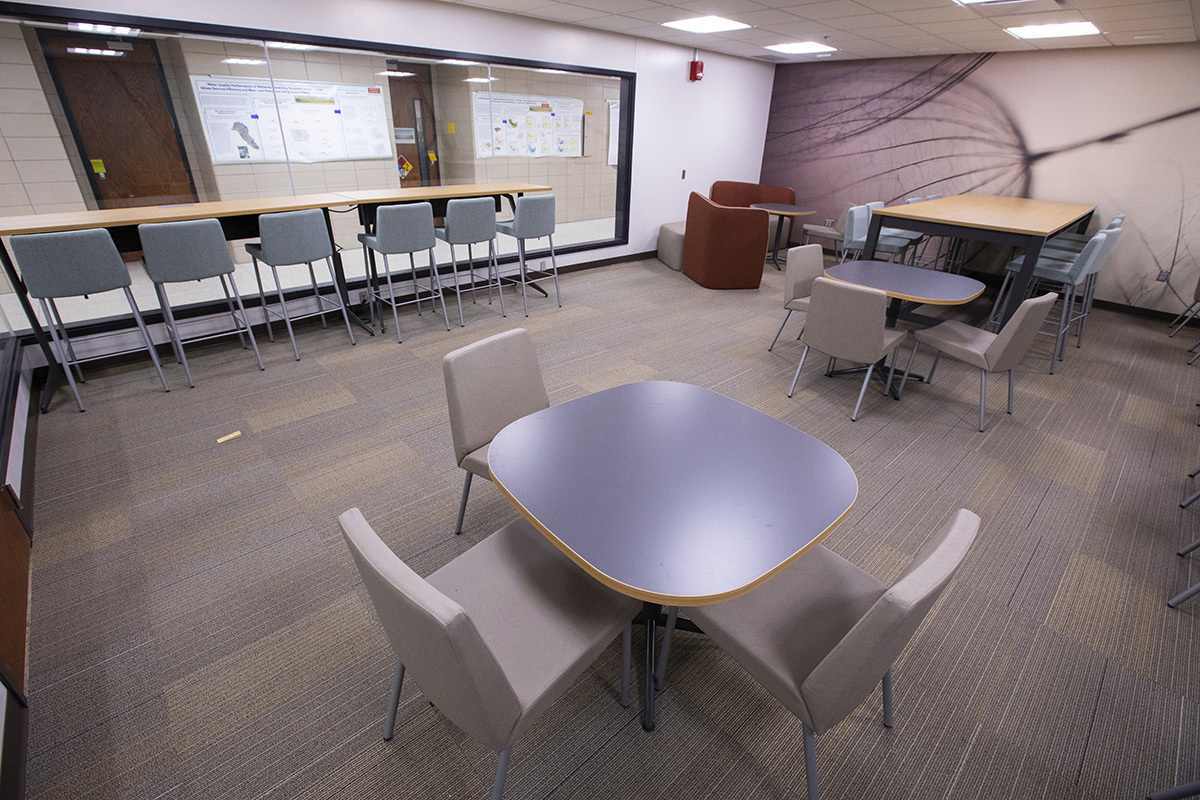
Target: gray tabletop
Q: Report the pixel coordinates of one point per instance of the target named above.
(669, 492)
(784, 209)
(909, 283)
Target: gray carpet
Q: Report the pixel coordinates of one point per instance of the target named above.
(198, 629)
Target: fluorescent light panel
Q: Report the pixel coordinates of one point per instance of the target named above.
(1054, 31)
(798, 48)
(478, 80)
(391, 73)
(107, 30)
(706, 25)
(249, 62)
(291, 46)
(458, 61)
(93, 51)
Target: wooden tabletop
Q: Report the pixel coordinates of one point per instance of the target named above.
(784, 209)
(1010, 214)
(903, 282)
(415, 194)
(671, 493)
(116, 217)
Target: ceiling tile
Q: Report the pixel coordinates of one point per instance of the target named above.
(565, 12)
(947, 13)
(615, 22)
(890, 6)
(1179, 8)
(721, 8)
(963, 26)
(830, 8)
(1152, 24)
(616, 6)
(662, 14)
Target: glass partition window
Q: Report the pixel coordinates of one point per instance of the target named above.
(119, 117)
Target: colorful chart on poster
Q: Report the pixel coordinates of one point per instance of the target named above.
(527, 126)
(313, 121)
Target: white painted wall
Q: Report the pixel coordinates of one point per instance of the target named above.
(714, 129)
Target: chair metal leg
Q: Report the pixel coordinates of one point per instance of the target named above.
(982, 396)
(1189, 313)
(494, 274)
(501, 773)
(471, 269)
(937, 355)
(892, 371)
(1189, 548)
(1186, 594)
(907, 368)
(173, 333)
(660, 676)
(287, 320)
(1176, 792)
(462, 506)
(524, 274)
(262, 302)
(238, 323)
(312, 277)
(389, 722)
(1191, 499)
(861, 392)
(1193, 358)
(61, 350)
(435, 286)
(799, 367)
(341, 303)
(626, 660)
(888, 718)
(810, 762)
(237, 296)
(554, 266)
(387, 273)
(62, 329)
(457, 288)
(786, 317)
(137, 316)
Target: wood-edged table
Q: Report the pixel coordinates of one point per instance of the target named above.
(782, 210)
(671, 493)
(1017, 221)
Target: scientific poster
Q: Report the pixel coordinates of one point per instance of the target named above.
(313, 121)
(527, 126)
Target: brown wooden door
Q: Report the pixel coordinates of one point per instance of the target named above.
(122, 121)
(412, 110)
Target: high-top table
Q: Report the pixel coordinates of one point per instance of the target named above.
(671, 493)
(783, 211)
(1016, 221)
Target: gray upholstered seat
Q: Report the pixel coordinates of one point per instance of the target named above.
(295, 237)
(494, 637)
(819, 635)
(472, 221)
(858, 223)
(849, 321)
(533, 218)
(489, 384)
(833, 233)
(988, 352)
(192, 250)
(402, 230)
(73, 264)
(804, 265)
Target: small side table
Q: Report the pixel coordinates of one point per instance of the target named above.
(781, 210)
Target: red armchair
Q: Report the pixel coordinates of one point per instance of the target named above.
(724, 246)
(736, 193)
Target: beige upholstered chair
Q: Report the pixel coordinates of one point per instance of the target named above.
(804, 265)
(848, 321)
(822, 633)
(489, 384)
(833, 233)
(990, 352)
(495, 636)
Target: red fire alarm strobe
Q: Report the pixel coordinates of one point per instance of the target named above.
(695, 70)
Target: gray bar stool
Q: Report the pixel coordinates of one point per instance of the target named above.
(402, 229)
(472, 221)
(533, 219)
(177, 252)
(75, 264)
(295, 237)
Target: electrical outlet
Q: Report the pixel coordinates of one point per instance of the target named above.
(828, 223)
(1163, 274)
(362, 298)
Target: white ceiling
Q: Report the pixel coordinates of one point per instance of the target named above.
(872, 28)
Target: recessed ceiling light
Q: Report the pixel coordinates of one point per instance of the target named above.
(249, 62)
(478, 80)
(794, 48)
(93, 51)
(706, 25)
(554, 71)
(991, 2)
(1054, 31)
(391, 73)
(107, 30)
(1148, 36)
(291, 46)
(457, 61)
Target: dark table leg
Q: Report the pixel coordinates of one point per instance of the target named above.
(868, 252)
(339, 278)
(650, 612)
(1020, 283)
(775, 249)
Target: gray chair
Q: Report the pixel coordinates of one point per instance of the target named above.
(819, 635)
(489, 384)
(472, 221)
(833, 233)
(192, 250)
(295, 237)
(495, 636)
(75, 264)
(804, 265)
(402, 230)
(533, 218)
(858, 223)
(849, 321)
(989, 352)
